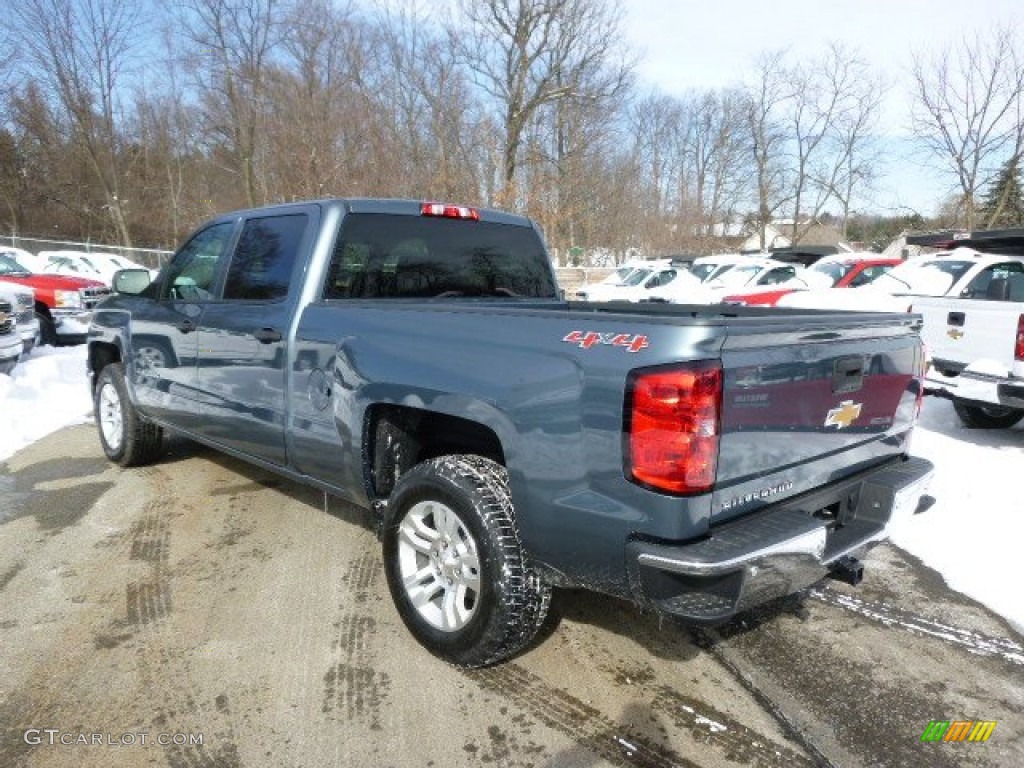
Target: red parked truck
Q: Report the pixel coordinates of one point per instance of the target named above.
(63, 303)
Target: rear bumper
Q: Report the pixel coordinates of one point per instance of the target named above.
(778, 550)
(976, 387)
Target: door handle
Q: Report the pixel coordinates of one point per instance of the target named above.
(267, 335)
(956, 318)
(186, 326)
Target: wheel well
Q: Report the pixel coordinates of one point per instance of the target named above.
(397, 438)
(100, 356)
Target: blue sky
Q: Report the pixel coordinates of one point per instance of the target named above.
(685, 44)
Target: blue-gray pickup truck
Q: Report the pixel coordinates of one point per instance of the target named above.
(417, 359)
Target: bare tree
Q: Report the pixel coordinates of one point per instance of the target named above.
(716, 145)
(655, 123)
(424, 87)
(530, 53)
(835, 103)
(575, 133)
(316, 105)
(232, 42)
(767, 98)
(967, 109)
(854, 151)
(79, 49)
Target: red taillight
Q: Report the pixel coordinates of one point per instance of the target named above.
(448, 211)
(1018, 348)
(673, 419)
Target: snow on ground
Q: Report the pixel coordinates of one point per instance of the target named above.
(972, 535)
(46, 391)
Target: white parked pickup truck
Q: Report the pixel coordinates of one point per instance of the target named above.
(975, 335)
(976, 349)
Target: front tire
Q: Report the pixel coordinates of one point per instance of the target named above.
(47, 330)
(987, 416)
(127, 439)
(455, 566)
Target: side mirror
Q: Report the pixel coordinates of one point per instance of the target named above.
(131, 281)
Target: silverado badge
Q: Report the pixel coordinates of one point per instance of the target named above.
(843, 415)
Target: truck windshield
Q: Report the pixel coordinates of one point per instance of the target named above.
(9, 266)
(924, 276)
(395, 256)
(704, 271)
(834, 271)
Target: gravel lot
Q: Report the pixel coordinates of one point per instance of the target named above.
(205, 599)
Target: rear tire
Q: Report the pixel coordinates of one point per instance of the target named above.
(455, 566)
(987, 416)
(127, 438)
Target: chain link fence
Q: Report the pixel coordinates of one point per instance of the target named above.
(153, 258)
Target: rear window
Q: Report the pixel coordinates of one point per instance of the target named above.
(393, 256)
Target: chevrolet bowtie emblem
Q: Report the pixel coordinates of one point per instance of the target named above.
(954, 333)
(844, 415)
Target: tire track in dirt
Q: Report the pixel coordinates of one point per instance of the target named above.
(45, 698)
(352, 687)
(164, 665)
(888, 615)
(619, 743)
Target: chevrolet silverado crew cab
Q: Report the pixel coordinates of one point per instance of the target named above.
(416, 359)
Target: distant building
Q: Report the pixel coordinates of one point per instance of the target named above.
(777, 235)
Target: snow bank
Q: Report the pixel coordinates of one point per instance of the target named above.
(46, 391)
(973, 533)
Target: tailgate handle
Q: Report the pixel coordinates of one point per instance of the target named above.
(848, 374)
(956, 318)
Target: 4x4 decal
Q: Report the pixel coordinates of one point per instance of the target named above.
(588, 339)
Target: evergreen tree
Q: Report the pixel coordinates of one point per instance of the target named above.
(1004, 204)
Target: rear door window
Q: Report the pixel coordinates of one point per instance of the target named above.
(261, 267)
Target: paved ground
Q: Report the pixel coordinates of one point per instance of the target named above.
(205, 599)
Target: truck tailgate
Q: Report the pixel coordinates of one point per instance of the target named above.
(804, 408)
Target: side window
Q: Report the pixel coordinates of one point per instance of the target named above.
(662, 278)
(261, 268)
(868, 274)
(194, 268)
(990, 282)
(777, 275)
